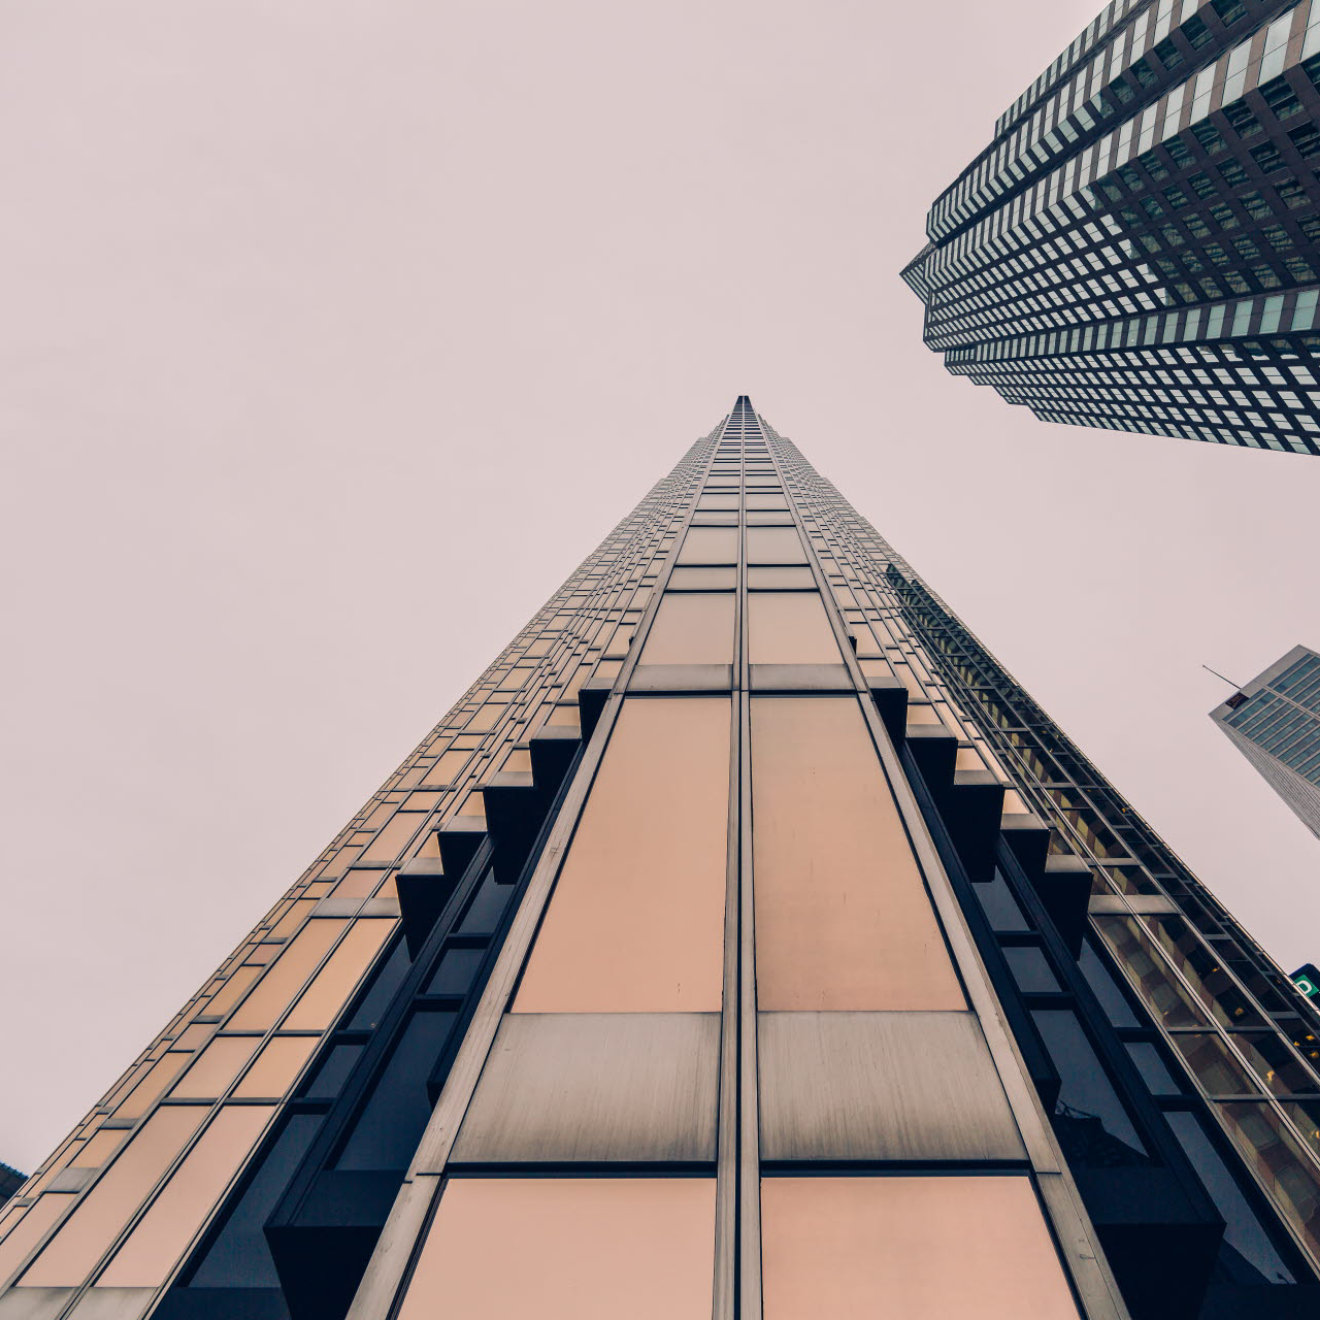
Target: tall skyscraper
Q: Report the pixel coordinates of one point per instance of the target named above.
(1137, 247)
(1275, 722)
(745, 942)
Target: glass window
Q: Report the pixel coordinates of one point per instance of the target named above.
(868, 1246)
(276, 1067)
(96, 1151)
(1280, 1162)
(787, 578)
(390, 1124)
(100, 1216)
(456, 972)
(1168, 999)
(691, 628)
(144, 1094)
(216, 1067)
(445, 771)
(159, 1238)
(1244, 1234)
(22, 1236)
(1277, 1066)
(588, 1248)
(1106, 989)
(239, 1256)
(381, 988)
(710, 545)
(1091, 1122)
(1150, 1064)
(1213, 1064)
(774, 545)
(1000, 907)
(1031, 969)
(285, 976)
(789, 628)
(636, 919)
(703, 579)
(843, 920)
(333, 1072)
(334, 983)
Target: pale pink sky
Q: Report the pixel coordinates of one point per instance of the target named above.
(335, 334)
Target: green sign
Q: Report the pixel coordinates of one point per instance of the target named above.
(1307, 979)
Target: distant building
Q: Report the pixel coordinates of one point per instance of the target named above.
(1136, 248)
(10, 1181)
(1275, 720)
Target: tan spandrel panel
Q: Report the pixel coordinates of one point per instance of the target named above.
(789, 628)
(709, 545)
(285, 976)
(280, 1061)
(158, 1239)
(924, 1248)
(23, 1235)
(216, 1067)
(323, 999)
(560, 1087)
(636, 921)
(100, 1216)
(775, 545)
(843, 920)
(881, 1086)
(586, 1249)
(691, 628)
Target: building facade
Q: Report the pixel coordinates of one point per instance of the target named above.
(1138, 248)
(1275, 722)
(745, 942)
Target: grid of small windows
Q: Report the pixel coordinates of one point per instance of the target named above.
(1255, 393)
(1037, 209)
(1156, 49)
(1224, 209)
(1284, 718)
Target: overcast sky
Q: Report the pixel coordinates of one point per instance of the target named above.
(335, 334)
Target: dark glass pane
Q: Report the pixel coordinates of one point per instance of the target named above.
(1276, 1065)
(1031, 969)
(390, 1124)
(1253, 1257)
(455, 974)
(1000, 906)
(384, 985)
(1090, 1119)
(486, 907)
(239, 1257)
(1105, 989)
(329, 1078)
(1153, 1069)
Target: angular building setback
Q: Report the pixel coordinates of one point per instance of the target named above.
(1275, 722)
(1138, 248)
(745, 942)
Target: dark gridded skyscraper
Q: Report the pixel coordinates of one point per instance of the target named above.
(1138, 248)
(1275, 722)
(744, 943)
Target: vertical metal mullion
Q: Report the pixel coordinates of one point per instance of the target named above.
(749, 1145)
(724, 1304)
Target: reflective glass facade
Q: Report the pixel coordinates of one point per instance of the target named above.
(745, 942)
(1137, 247)
(1275, 721)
